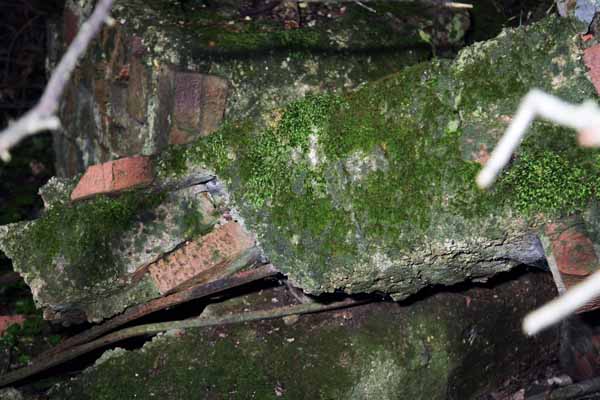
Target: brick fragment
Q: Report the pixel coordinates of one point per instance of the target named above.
(114, 176)
(199, 106)
(575, 255)
(8, 320)
(200, 259)
(573, 250)
(591, 57)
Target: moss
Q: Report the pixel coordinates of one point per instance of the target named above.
(390, 167)
(381, 350)
(218, 29)
(80, 235)
(248, 362)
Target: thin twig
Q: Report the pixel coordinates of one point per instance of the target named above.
(150, 329)
(358, 3)
(133, 313)
(585, 118)
(43, 115)
(574, 391)
(563, 306)
(454, 4)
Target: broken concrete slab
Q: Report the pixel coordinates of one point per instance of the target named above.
(445, 346)
(375, 191)
(96, 251)
(168, 73)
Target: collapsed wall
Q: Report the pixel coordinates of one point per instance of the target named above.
(371, 191)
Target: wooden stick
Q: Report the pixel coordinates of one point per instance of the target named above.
(149, 329)
(573, 391)
(193, 293)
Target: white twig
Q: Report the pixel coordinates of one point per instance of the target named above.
(365, 6)
(454, 4)
(561, 307)
(42, 116)
(585, 118)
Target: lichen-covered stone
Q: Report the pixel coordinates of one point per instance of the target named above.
(374, 191)
(367, 192)
(446, 346)
(168, 72)
(89, 256)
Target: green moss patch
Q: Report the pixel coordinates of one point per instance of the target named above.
(79, 235)
(437, 348)
(334, 180)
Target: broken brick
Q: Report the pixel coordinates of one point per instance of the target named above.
(114, 176)
(199, 106)
(591, 57)
(573, 250)
(575, 255)
(207, 256)
(8, 320)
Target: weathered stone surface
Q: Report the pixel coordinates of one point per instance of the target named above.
(374, 191)
(114, 176)
(90, 257)
(168, 74)
(342, 193)
(446, 346)
(205, 258)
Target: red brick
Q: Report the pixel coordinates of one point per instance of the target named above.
(137, 90)
(199, 106)
(591, 57)
(205, 257)
(573, 250)
(70, 25)
(114, 176)
(575, 255)
(8, 320)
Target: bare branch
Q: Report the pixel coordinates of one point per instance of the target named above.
(151, 329)
(43, 115)
(563, 306)
(585, 118)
